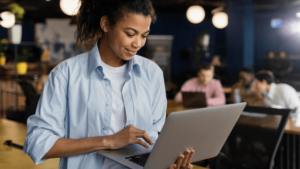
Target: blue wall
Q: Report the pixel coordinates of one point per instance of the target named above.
(27, 29)
(185, 34)
(27, 36)
(235, 34)
(242, 53)
(248, 55)
(280, 39)
(3, 32)
(240, 35)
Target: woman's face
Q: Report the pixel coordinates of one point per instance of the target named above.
(128, 35)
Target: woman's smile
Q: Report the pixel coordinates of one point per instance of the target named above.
(131, 52)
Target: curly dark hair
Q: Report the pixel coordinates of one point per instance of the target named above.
(91, 11)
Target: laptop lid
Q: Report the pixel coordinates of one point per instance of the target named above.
(204, 130)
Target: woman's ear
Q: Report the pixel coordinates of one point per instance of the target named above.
(104, 23)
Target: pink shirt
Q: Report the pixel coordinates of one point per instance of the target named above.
(213, 89)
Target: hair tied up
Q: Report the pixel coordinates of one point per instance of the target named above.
(91, 11)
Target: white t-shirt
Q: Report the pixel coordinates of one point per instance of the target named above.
(117, 77)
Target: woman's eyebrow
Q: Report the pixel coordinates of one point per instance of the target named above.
(136, 30)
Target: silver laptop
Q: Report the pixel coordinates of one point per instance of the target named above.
(205, 130)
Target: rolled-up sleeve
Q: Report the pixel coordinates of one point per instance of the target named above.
(47, 125)
(159, 103)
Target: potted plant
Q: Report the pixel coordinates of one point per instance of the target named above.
(3, 48)
(22, 64)
(15, 32)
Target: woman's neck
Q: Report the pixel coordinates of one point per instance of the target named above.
(108, 56)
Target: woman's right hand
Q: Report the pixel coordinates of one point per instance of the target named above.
(129, 135)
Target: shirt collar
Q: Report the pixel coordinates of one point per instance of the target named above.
(272, 90)
(95, 62)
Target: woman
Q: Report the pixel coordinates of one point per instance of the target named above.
(107, 98)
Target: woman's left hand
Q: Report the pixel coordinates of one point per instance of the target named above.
(184, 160)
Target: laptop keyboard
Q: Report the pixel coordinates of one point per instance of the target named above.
(139, 159)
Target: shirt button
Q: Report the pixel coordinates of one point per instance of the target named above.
(104, 128)
(107, 105)
(106, 84)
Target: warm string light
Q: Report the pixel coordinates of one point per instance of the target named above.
(195, 14)
(8, 19)
(70, 7)
(220, 20)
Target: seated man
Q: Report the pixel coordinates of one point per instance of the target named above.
(204, 83)
(277, 95)
(244, 90)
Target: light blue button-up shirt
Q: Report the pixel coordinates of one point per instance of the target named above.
(76, 103)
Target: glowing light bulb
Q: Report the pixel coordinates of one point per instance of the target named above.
(220, 20)
(8, 19)
(70, 7)
(195, 14)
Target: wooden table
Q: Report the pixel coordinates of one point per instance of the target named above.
(173, 106)
(227, 90)
(290, 127)
(13, 158)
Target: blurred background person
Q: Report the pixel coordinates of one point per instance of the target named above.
(204, 83)
(277, 95)
(244, 90)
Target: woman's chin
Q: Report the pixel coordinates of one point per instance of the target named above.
(127, 58)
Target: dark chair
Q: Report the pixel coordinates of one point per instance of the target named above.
(254, 140)
(32, 98)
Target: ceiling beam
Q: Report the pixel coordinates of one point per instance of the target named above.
(208, 3)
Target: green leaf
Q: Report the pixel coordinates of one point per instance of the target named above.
(24, 56)
(16, 9)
